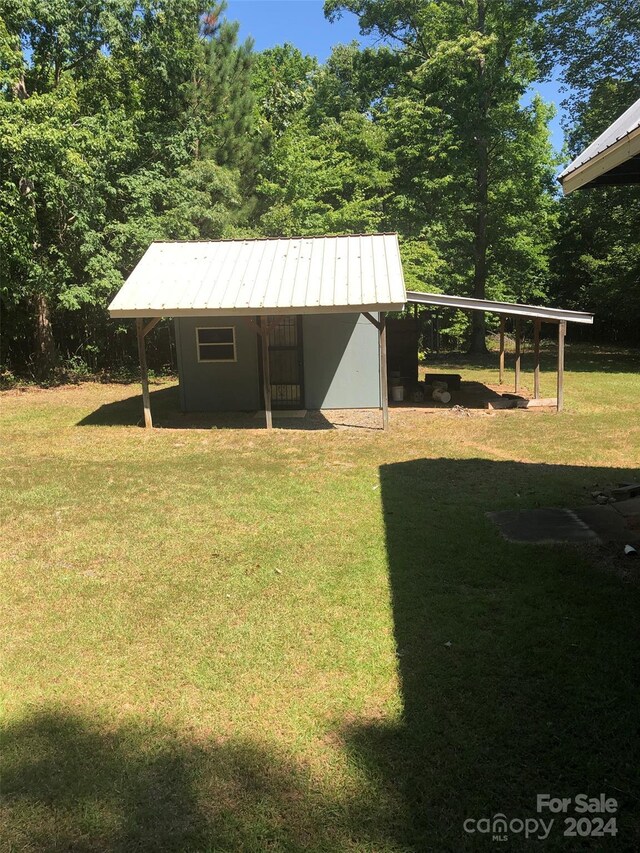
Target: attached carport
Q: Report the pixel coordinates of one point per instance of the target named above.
(539, 314)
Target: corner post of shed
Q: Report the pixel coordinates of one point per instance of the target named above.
(562, 331)
(266, 375)
(518, 325)
(141, 331)
(384, 385)
(381, 326)
(536, 358)
(501, 367)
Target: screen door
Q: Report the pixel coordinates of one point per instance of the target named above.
(285, 362)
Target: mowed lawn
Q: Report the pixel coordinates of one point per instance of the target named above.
(228, 640)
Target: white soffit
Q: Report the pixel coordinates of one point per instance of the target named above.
(619, 143)
(303, 275)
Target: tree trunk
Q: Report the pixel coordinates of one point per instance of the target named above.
(478, 328)
(46, 352)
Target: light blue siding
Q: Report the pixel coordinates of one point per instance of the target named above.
(341, 365)
(217, 386)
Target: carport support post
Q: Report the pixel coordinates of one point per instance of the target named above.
(266, 377)
(536, 358)
(518, 355)
(562, 331)
(501, 372)
(144, 377)
(384, 387)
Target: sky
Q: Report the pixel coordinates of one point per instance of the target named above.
(302, 23)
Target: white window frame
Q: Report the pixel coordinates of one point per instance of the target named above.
(216, 360)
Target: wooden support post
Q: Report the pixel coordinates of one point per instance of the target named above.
(536, 358)
(144, 377)
(562, 331)
(150, 325)
(266, 376)
(518, 356)
(501, 369)
(372, 320)
(384, 388)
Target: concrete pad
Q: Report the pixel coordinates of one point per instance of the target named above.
(283, 413)
(543, 526)
(628, 508)
(610, 524)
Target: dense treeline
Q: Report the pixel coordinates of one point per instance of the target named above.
(123, 122)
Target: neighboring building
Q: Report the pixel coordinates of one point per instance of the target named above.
(613, 158)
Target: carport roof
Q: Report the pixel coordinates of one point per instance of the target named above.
(512, 308)
(302, 275)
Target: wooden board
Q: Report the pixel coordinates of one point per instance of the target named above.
(519, 403)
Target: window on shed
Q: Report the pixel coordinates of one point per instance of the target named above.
(216, 343)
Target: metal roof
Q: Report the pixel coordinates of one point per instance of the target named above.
(302, 275)
(513, 308)
(613, 158)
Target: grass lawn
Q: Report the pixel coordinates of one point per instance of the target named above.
(228, 640)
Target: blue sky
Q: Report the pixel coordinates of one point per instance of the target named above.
(302, 22)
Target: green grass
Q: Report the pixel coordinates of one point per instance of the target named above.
(228, 640)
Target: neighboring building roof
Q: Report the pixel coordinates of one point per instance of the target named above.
(302, 275)
(466, 304)
(614, 157)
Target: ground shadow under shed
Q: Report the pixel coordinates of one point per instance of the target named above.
(165, 409)
(469, 395)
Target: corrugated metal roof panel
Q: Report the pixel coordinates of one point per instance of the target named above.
(511, 308)
(268, 276)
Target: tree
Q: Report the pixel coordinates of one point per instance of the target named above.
(326, 168)
(55, 158)
(100, 128)
(596, 260)
(462, 67)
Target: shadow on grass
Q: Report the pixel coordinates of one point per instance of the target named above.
(519, 665)
(519, 670)
(69, 784)
(165, 410)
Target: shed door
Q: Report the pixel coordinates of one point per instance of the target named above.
(285, 362)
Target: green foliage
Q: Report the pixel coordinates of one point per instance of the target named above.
(281, 80)
(596, 259)
(473, 165)
(125, 122)
(329, 180)
(121, 123)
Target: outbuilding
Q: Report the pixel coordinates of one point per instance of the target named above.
(271, 323)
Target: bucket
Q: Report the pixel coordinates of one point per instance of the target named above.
(397, 393)
(441, 396)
